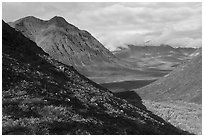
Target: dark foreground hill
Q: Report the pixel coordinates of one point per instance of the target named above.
(42, 96)
(183, 84)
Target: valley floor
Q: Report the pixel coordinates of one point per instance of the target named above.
(126, 85)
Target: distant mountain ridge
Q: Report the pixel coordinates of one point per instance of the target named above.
(133, 49)
(163, 57)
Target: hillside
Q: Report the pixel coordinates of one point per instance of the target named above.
(177, 97)
(43, 96)
(184, 83)
(186, 116)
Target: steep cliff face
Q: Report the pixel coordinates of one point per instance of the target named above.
(64, 42)
(184, 83)
(43, 96)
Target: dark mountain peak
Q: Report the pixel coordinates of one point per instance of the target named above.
(65, 42)
(58, 19)
(30, 19)
(61, 22)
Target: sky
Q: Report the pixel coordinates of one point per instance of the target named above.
(118, 24)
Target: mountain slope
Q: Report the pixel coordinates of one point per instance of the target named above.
(184, 83)
(63, 41)
(186, 116)
(43, 96)
(177, 97)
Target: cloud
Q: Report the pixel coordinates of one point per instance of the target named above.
(185, 42)
(118, 24)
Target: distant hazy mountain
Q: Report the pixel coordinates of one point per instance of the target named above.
(184, 83)
(185, 42)
(43, 96)
(162, 57)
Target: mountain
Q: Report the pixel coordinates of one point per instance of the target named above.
(63, 41)
(78, 48)
(184, 83)
(43, 96)
(163, 57)
(66, 43)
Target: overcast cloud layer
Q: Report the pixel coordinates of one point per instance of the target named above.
(118, 24)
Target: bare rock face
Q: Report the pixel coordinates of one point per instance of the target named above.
(184, 83)
(63, 41)
(43, 96)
